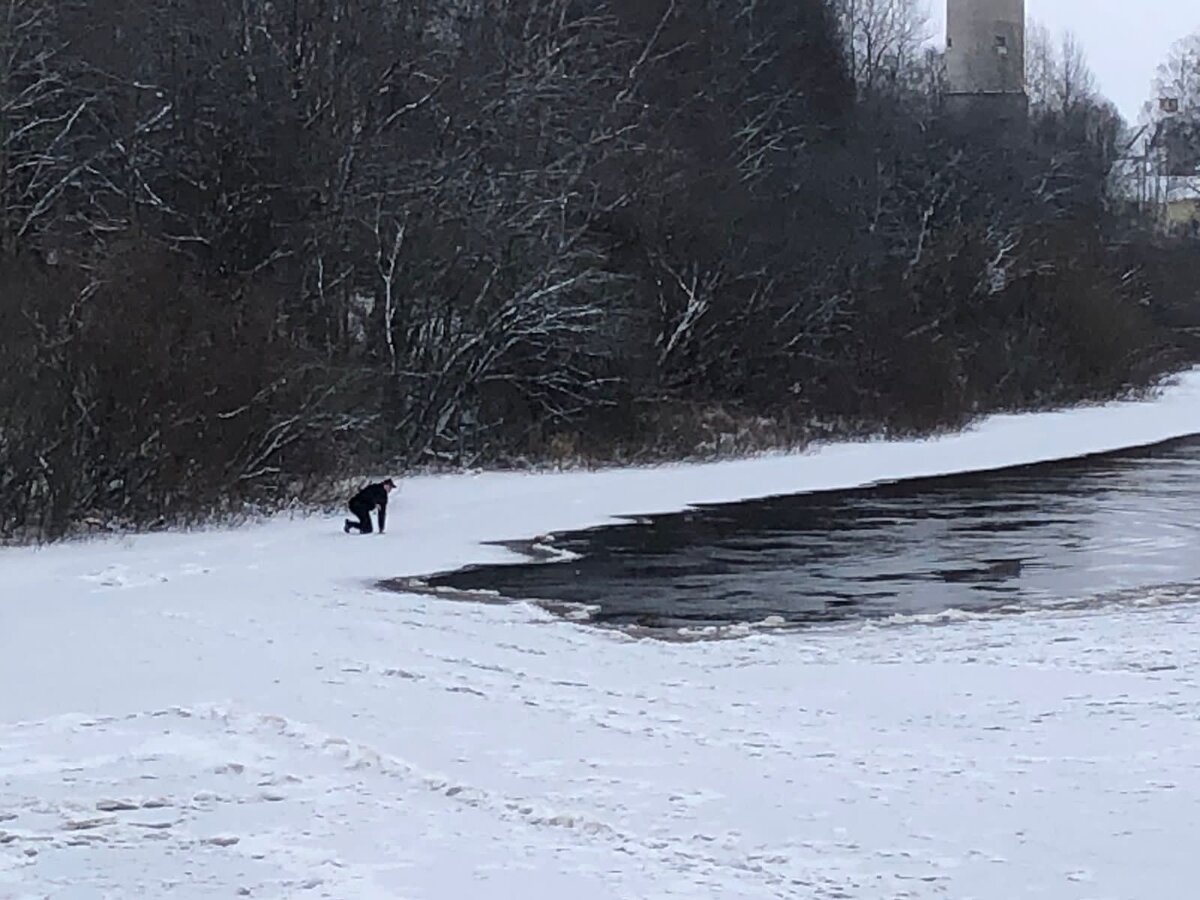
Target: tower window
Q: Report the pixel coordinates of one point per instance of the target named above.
(1001, 42)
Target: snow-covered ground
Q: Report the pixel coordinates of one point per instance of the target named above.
(240, 712)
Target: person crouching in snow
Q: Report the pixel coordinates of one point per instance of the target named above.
(361, 504)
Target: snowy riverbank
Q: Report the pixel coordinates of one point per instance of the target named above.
(218, 712)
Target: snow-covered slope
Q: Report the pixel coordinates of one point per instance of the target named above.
(238, 712)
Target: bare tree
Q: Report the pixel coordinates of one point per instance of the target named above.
(1174, 114)
(1177, 78)
(883, 39)
(54, 142)
(1058, 76)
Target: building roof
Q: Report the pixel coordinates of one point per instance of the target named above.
(1177, 188)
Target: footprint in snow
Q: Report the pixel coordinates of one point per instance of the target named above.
(116, 805)
(88, 824)
(118, 576)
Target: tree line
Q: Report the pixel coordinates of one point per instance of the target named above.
(246, 245)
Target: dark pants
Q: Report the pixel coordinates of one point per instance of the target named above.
(363, 512)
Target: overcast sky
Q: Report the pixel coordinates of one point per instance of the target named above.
(1125, 42)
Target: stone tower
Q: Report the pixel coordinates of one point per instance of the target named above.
(985, 57)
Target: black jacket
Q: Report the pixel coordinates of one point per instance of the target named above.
(371, 496)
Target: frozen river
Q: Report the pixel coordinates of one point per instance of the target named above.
(1087, 531)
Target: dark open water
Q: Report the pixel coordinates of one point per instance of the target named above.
(1039, 535)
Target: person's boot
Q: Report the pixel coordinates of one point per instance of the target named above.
(346, 527)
